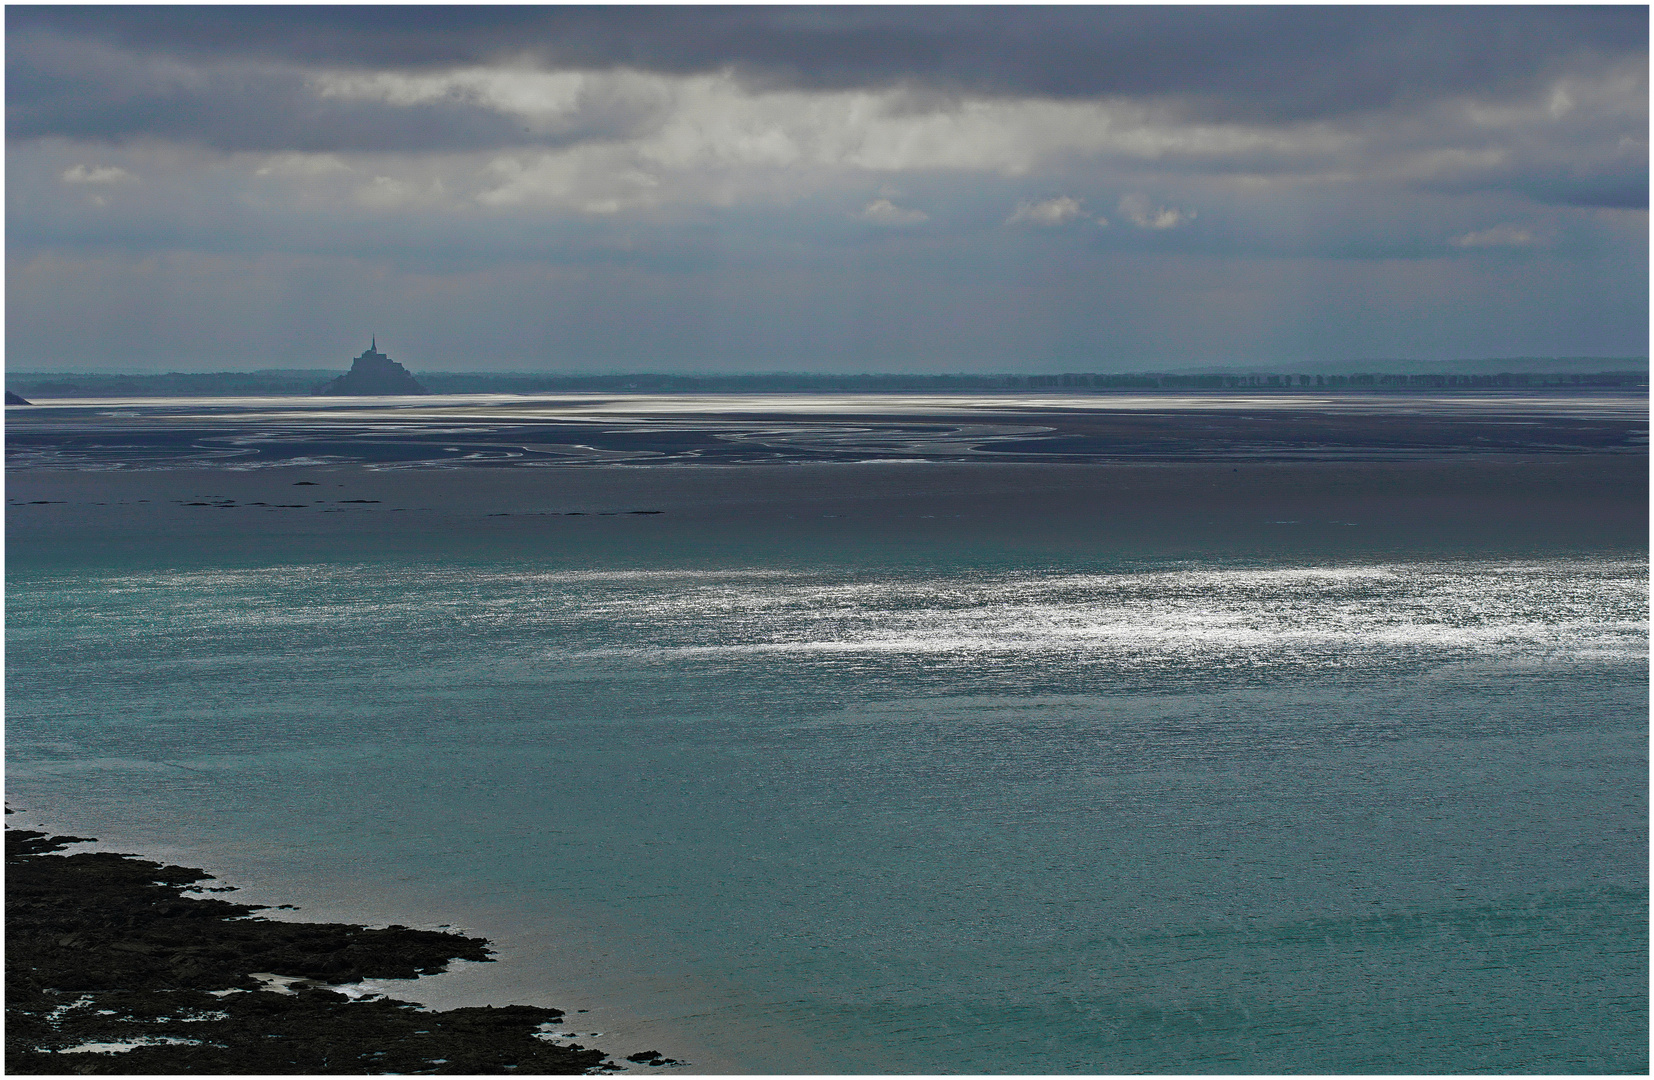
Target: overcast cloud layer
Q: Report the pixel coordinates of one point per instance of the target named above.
(941, 189)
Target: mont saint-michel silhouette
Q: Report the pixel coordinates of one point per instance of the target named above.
(373, 373)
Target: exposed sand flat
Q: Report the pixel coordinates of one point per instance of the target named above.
(492, 431)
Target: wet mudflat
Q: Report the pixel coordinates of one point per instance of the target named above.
(493, 431)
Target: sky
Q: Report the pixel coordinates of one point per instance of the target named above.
(831, 189)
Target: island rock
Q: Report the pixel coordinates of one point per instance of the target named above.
(372, 373)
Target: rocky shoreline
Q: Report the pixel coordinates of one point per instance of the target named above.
(111, 969)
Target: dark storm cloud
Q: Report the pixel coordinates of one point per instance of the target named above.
(543, 186)
(1622, 189)
(59, 86)
(1257, 64)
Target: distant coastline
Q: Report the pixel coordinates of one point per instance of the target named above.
(1551, 374)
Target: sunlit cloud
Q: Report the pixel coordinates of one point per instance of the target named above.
(1137, 209)
(1497, 236)
(102, 174)
(1049, 212)
(885, 212)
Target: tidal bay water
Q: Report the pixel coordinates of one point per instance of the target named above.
(949, 798)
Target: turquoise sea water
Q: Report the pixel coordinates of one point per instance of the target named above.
(941, 814)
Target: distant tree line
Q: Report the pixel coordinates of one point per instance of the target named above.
(458, 383)
(1394, 382)
(172, 384)
(292, 383)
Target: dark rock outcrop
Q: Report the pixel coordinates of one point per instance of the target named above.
(373, 373)
(17, 399)
(105, 950)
